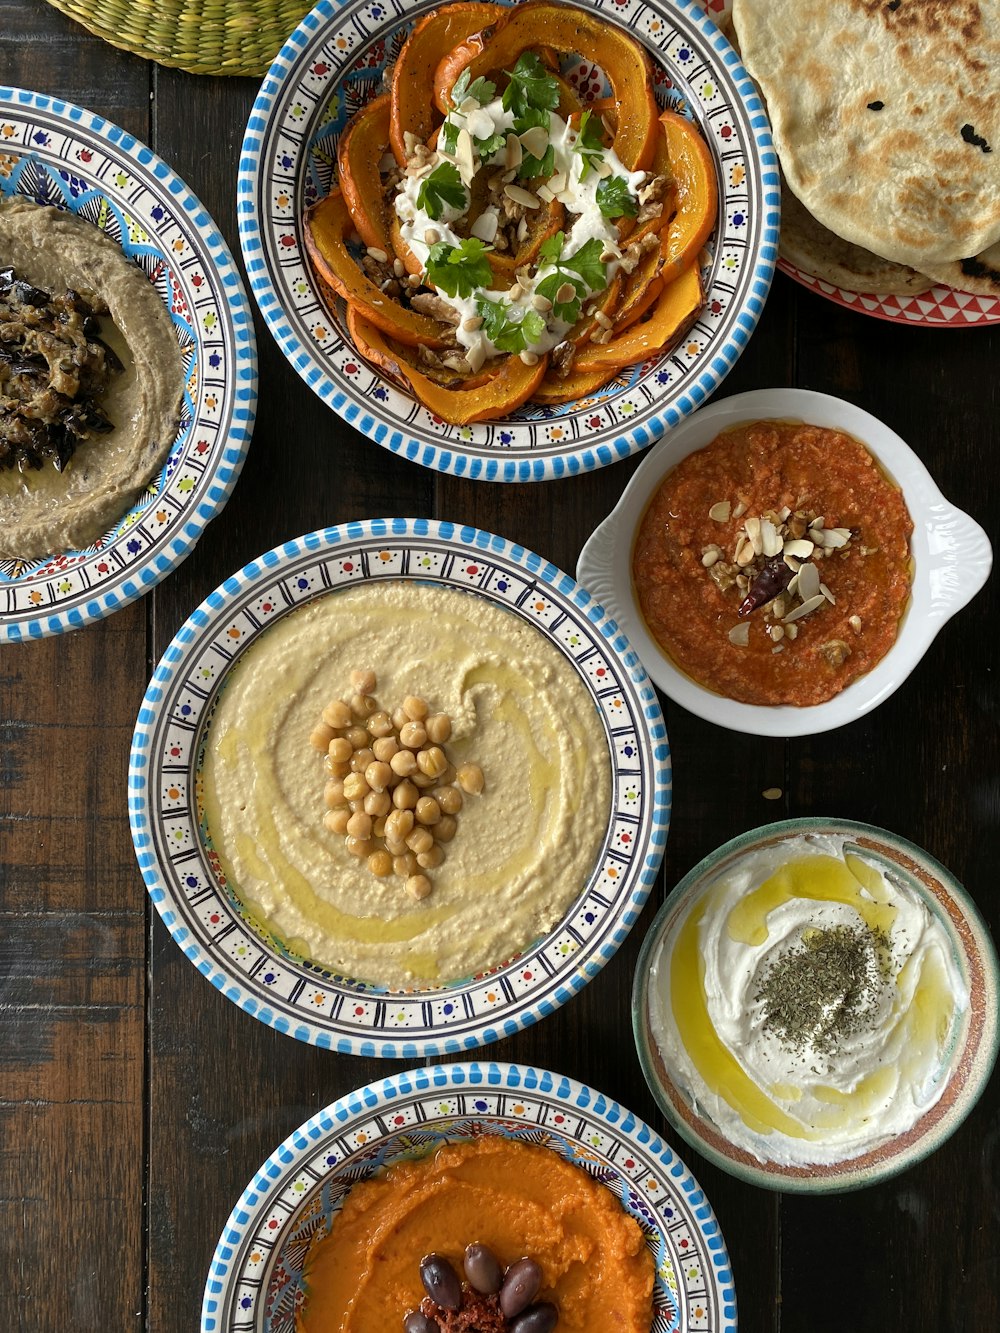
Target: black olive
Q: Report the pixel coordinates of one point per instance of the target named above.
(441, 1281)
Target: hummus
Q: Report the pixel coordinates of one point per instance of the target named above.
(808, 1004)
(518, 1199)
(45, 511)
(523, 850)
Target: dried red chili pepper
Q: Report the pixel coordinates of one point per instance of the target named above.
(772, 579)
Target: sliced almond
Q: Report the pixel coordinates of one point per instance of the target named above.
(805, 609)
(740, 635)
(770, 538)
(485, 226)
(818, 522)
(558, 182)
(513, 152)
(790, 561)
(469, 105)
(480, 124)
(535, 141)
(740, 510)
(518, 195)
(465, 154)
(475, 356)
(545, 194)
(828, 594)
(522, 231)
(793, 584)
(783, 514)
(799, 547)
(720, 512)
(752, 529)
(603, 168)
(808, 582)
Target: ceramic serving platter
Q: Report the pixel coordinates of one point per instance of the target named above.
(331, 65)
(55, 153)
(256, 1286)
(249, 965)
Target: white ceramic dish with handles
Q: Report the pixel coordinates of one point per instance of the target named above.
(951, 553)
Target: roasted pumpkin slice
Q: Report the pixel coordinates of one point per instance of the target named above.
(640, 289)
(512, 385)
(359, 153)
(389, 355)
(697, 194)
(327, 226)
(554, 390)
(676, 307)
(433, 38)
(570, 31)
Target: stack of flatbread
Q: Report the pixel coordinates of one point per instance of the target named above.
(886, 120)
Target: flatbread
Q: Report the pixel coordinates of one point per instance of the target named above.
(813, 249)
(886, 118)
(980, 274)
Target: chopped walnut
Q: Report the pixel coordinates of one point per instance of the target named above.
(835, 653)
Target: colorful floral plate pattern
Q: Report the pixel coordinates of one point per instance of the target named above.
(58, 154)
(251, 967)
(255, 1283)
(331, 65)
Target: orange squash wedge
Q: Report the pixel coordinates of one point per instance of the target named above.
(569, 31)
(359, 152)
(512, 385)
(697, 194)
(675, 308)
(554, 390)
(327, 226)
(431, 41)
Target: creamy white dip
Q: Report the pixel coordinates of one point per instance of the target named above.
(850, 1083)
(523, 849)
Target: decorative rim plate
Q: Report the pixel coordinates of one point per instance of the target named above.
(330, 66)
(297, 996)
(59, 154)
(255, 1281)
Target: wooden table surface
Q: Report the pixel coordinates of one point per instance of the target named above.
(136, 1101)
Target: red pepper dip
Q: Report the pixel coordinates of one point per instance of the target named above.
(773, 566)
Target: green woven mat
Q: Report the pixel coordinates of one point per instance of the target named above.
(201, 36)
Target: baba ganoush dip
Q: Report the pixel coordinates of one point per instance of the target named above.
(807, 1004)
(44, 511)
(522, 849)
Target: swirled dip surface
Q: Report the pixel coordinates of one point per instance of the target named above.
(754, 1029)
(523, 849)
(516, 1198)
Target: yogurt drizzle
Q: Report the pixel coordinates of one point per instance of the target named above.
(579, 176)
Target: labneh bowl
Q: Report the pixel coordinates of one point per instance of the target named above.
(65, 157)
(256, 1283)
(932, 1049)
(421, 1016)
(950, 553)
(333, 64)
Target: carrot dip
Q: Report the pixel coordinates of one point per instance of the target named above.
(773, 566)
(517, 1199)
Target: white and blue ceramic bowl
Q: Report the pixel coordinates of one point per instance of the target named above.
(55, 153)
(249, 965)
(255, 1283)
(330, 66)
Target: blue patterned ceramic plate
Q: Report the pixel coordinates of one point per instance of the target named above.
(249, 965)
(56, 153)
(255, 1283)
(331, 65)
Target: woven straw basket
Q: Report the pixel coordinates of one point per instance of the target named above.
(200, 36)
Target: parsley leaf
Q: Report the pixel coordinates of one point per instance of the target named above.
(487, 147)
(459, 269)
(481, 89)
(587, 263)
(589, 143)
(551, 249)
(614, 198)
(506, 334)
(531, 167)
(442, 187)
(568, 311)
(531, 85)
(449, 137)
